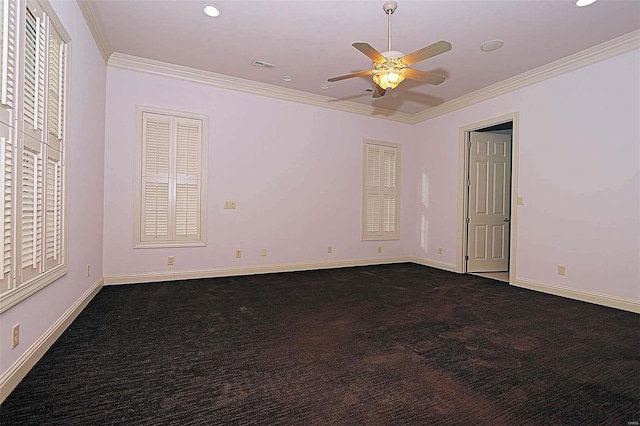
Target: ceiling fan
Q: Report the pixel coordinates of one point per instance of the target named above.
(391, 67)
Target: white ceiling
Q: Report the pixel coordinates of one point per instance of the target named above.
(311, 40)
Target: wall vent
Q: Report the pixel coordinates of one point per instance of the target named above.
(262, 64)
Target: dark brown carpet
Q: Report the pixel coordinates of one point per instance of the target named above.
(392, 344)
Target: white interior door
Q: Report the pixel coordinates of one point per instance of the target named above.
(489, 202)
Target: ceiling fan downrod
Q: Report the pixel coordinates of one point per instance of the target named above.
(389, 7)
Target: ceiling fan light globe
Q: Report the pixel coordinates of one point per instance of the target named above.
(389, 79)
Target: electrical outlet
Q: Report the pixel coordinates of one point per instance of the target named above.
(230, 205)
(562, 270)
(264, 252)
(379, 249)
(238, 254)
(88, 270)
(329, 249)
(170, 260)
(15, 335)
(440, 250)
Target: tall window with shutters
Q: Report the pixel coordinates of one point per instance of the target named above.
(171, 183)
(381, 191)
(32, 148)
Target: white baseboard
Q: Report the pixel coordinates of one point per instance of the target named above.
(432, 263)
(10, 378)
(251, 270)
(582, 295)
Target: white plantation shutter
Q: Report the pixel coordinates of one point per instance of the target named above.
(188, 158)
(157, 142)
(156, 195)
(156, 211)
(55, 106)
(171, 186)
(372, 190)
(6, 210)
(187, 211)
(388, 190)
(34, 73)
(8, 53)
(188, 148)
(380, 191)
(31, 216)
(53, 200)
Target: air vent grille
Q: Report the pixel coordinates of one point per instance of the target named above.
(262, 64)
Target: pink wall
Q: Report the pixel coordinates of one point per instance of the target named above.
(86, 187)
(579, 168)
(294, 170)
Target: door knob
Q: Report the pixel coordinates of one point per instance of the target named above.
(506, 219)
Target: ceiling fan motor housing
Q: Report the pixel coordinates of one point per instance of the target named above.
(392, 54)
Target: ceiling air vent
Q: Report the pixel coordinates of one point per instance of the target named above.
(263, 64)
(368, 90)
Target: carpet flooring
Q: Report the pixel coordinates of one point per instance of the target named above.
(395, 344)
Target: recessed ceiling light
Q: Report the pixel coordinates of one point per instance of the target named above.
(324, 87)
(492, 45)
(287, 78)
(582, 3)
(211, 11)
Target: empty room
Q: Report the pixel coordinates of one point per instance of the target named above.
(359, 212)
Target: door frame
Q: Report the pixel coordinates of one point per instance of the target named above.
(463, 201)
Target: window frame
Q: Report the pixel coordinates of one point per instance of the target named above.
(380, 235)
(138, 242)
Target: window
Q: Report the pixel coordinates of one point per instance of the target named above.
(171, 182)
(32, 166)
(380, 191)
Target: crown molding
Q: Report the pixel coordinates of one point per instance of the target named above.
(150, 66)
(590, 56)
(92, 18)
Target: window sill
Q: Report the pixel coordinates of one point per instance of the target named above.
(12, 297)
(168, 244)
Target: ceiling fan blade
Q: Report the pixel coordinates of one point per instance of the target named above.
(370, 52)
(379, 92)
(355, 74)
(426, 77)
(426, 52)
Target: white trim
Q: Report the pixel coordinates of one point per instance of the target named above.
(55, 21)
(250, 270)
(434, 264)
(140, 110)
(92, 18)
(590, 56)
(150, 66)
(582, 295)
(17, 294)
(14, 374)
(463, 139)
(380, 236)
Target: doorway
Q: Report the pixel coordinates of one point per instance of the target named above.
(488, 184)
